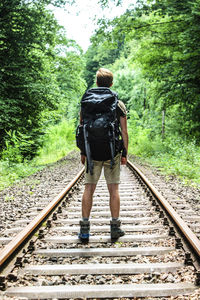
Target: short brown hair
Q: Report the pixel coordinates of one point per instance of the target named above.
(104, 77)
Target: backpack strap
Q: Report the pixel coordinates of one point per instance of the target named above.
(90, 164)
(112, 155)
(112, 144)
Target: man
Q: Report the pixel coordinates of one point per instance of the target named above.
(104, 79)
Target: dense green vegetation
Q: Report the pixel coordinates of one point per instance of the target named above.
(153, 50)
(154, 53)
(40, 74)
(58, 141)
(41, 84)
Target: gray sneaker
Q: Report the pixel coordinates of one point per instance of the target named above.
(84, 231)
(115, 230)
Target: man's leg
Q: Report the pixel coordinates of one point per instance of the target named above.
(113, 179)
(115, 223)
(113, 189)
(87, 199)
(90, 186)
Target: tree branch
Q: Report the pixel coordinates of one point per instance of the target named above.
(160, 23)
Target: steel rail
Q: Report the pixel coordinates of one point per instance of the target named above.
(17, 241)
(191, 238)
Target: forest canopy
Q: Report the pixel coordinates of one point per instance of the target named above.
(41, 73)
(154, 49)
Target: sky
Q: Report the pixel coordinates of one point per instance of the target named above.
(78, 19)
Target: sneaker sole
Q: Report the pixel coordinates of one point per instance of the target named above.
(84, 237)
(117, 236)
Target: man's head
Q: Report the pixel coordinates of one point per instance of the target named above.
(104, 77)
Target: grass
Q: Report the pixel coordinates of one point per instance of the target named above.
(59, 141)
(170, 165)
(173, 156)
(10, 173)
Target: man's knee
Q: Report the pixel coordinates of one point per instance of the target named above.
(90, 188)
(113, 189)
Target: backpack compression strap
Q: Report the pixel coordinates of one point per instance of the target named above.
(112, 144)
(90, 164)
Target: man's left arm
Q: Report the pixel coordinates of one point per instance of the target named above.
(124, 130)
(83, 156)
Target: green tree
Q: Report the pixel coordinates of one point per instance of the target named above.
(70, 64)
(100, 54)
(30, 74)
(167, 37)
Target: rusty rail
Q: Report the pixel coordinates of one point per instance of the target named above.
(16, 242)
(191, 238)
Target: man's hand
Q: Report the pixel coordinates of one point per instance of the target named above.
(123, 160)
(83, 157)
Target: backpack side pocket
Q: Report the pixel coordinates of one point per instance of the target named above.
(80, 142)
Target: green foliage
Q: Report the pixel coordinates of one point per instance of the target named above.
(153, 51)
(92, 65)
(16, 145)
(123, 82)
(179, 157)
(69, 75)
(105, 3)
(40, 73)
(139, 137)
(27, 86)
(168, 53)
(41, 83)
(12, 172)
(163, 41)
(173, 156)
(59, 140)
(99, 54)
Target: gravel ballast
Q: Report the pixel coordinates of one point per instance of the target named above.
(27, 197)
(31, 194)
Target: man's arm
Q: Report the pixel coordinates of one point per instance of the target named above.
(81, 119)
(124, 130)
(83, 157)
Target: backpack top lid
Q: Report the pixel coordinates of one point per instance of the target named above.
(98, 100)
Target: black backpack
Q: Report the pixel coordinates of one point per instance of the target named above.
(100, 125)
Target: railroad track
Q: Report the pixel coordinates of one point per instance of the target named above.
(157, 257)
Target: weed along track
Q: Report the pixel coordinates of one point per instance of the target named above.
(158, 257)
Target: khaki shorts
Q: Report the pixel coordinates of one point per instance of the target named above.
(111, 175)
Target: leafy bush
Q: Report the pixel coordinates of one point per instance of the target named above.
(17, 146)
(58, 141)
(174, 155)
(10, 173)
(139, 138)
